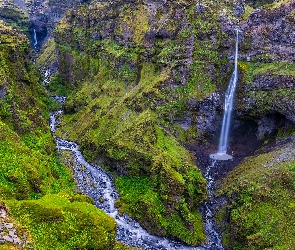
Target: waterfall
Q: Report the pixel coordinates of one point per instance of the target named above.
(35, 38)
(228, 107)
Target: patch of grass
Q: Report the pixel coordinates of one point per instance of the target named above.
(251, 70)
(57, 87)
(48, 55)
(29, 166)
(61, 222)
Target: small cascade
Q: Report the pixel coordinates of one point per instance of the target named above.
(99, 185)
(228, 107)
(35, 38)
(213, 237)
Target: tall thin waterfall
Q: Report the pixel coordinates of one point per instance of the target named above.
(228, 107)
(35, 38)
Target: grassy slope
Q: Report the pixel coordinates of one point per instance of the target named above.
(261, 205)
(123, 110)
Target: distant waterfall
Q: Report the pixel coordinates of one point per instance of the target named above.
(35, 38)
(228, 107)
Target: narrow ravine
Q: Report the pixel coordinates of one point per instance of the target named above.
(99, 185)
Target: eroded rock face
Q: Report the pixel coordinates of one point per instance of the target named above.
(268, 94)
(270, 34)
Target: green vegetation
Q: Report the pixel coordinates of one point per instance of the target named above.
(130, 72)
(251, 70)
(48, 55)
(261, 192)
(122, 111)
(139, 199)
(14, 16)
(141, 146)
(28, 169)
(65, 221)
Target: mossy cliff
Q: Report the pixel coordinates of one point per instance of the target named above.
(260, 207)
(260, 192)
(32, 176)
(14, 15)
(138, 68)
(145, 76)
(267, 89)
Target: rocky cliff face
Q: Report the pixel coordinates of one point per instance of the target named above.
(41, 16)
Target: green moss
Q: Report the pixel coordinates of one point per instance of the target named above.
(138, 198)
(124, 109)
(29, 166)
(251, 70)
(48, 55)
(136, 20)
(38, 188)
(15, 17)
(260, 210)
(60, 222)
(125, 129)
(57, 87)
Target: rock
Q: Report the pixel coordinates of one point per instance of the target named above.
(101, 199)
(17, 241)
(239, 8)
(8, 225)
(266, 126)
(3, 92)
(200, 8)
(11, 233)
(8, 238)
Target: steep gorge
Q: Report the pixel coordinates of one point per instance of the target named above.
(161, 72)
(145, 82)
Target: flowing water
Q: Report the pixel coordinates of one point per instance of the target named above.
(228, 107)
(228, 104)
(213, 236)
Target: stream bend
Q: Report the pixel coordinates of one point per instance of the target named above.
(95, 182)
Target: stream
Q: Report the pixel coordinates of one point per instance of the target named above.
(95, 182)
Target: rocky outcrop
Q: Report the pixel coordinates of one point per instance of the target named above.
(12, 234)
(269, 34)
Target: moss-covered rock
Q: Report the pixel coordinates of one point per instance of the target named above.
(260, 208)
(13, 15)
(137, 68)
(61, 222)
(29, 165)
